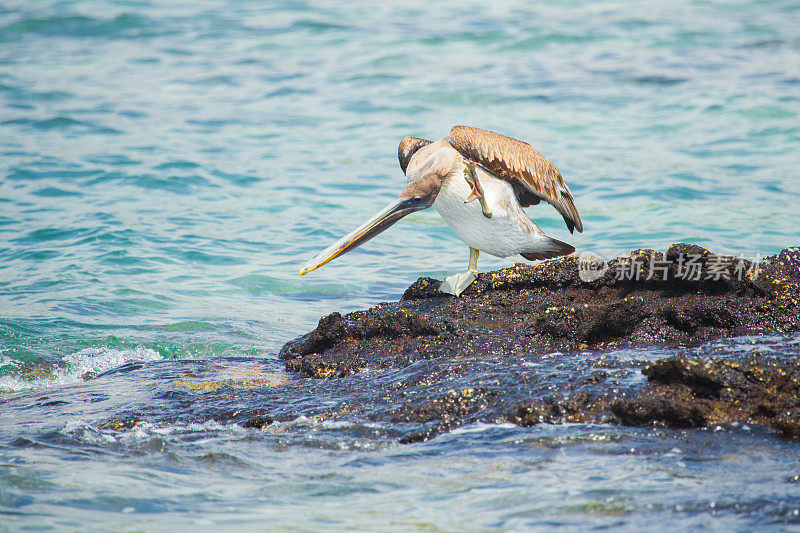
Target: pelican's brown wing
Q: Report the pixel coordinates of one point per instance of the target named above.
(531, 174)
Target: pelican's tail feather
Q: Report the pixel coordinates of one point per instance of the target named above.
(548, 248)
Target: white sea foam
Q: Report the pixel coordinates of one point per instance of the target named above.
(86, 361)
(94, 434)
(479, 427)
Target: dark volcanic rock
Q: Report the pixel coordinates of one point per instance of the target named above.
(695, 392)
(684, 297)
(547, 307)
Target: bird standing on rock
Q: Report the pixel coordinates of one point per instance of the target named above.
(478, 181)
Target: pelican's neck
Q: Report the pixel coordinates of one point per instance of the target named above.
(438, 157)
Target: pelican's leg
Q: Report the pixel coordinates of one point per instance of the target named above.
(473, 260)
(477, 191)
(458, 283)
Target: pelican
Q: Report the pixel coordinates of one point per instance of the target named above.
(502, 174)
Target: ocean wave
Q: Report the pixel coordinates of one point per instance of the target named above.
(78, 366)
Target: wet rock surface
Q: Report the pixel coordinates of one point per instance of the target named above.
(541, 344)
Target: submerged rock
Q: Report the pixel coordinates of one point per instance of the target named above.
(518, 315)
(696, 392)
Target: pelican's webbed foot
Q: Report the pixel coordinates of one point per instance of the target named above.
(458, 283)
(477, 191)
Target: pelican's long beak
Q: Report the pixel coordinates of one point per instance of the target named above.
(372, 227)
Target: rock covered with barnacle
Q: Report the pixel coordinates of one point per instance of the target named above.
(683, 297)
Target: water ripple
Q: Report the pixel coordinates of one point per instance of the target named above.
(124, 26)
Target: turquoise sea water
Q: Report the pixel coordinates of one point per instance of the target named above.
(167, 167)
